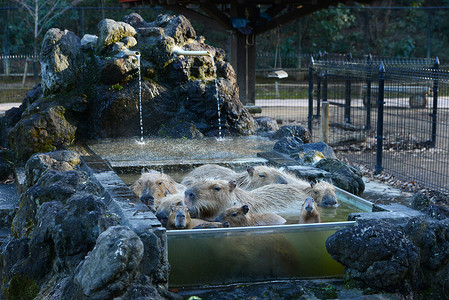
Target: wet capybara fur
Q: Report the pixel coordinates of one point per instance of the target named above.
(258, 176)
(179, 218)
(154, 185)
(165, 206)
(209, 171)
(309, 212)
(239, 216)
(207, 199)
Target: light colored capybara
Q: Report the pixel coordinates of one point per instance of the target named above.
(239, 216)
(154, 185)
(179, 218)
(309, 212)
(258, 176)
(207, 199)
(209, 171)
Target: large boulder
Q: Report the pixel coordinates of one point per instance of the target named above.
(112, 264)
(41, 130)
(62, 62)
(405, 255)
(344, 176)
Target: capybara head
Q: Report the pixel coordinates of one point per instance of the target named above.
(236, 216)
(206, 199)
(179, 217)
(164, 209)
(154, 185)
(324, 194)
(309, 212)
(261, 175)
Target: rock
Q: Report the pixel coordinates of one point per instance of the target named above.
(111, 265)
(420, 201)
(111, 31)
(76, 229)
(344, 176)
(39, 163)
(6, 164)
(62, 62)
(51, 186)
(89, 41)
(266, 126)
(288, 145)
(119, 70)
(293, 131)
(41, 132)
(378, 253)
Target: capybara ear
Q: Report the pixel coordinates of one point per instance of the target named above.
(245, 209)
(232, 185)
(250, 170)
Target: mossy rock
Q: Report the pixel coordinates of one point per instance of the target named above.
(20, 288)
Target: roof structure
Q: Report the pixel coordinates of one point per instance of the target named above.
(244, 19)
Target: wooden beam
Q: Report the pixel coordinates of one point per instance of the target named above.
(217, 14)
(286, 18)
(189, 13)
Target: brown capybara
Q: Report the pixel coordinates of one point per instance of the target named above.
(258, 176)
(241, 217)
(209, 171)
(164, 206)
(207, 199)
(154, 185)
(179, 218)
(309, 212)
(323, 193)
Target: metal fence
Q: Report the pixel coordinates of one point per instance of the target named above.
(387, 114)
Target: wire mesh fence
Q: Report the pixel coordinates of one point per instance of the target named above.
(389, 115)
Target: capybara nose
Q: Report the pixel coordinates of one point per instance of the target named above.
(226, 224)
(147, 198)
(329, 201)
(308, 208)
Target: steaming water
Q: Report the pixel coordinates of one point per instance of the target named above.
(140, 100)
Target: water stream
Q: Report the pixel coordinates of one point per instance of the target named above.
(217, 96)
(140, 100)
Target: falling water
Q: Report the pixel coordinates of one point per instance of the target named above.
(140, 99)
(217, 96)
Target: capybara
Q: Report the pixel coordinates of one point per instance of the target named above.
(241, 217)
(179, 218)
(154, 185)
(323, 193)
(165, 205)
(259, 176)
(208, 171)
(207, 199)
(309, 212)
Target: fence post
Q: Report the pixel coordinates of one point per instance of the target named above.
(435, 101)
(325, 123)
(310, 113)
(318, 89)
(368, 93)
(348, 94)
(380, 119)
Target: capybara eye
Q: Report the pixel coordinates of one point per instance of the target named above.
(316, 192)
(217, 188)
(234, 214)
(159, 183)
(262, 175)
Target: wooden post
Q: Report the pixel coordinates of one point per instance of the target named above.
(325, 122)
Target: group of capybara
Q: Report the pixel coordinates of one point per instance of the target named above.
(212, 196)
